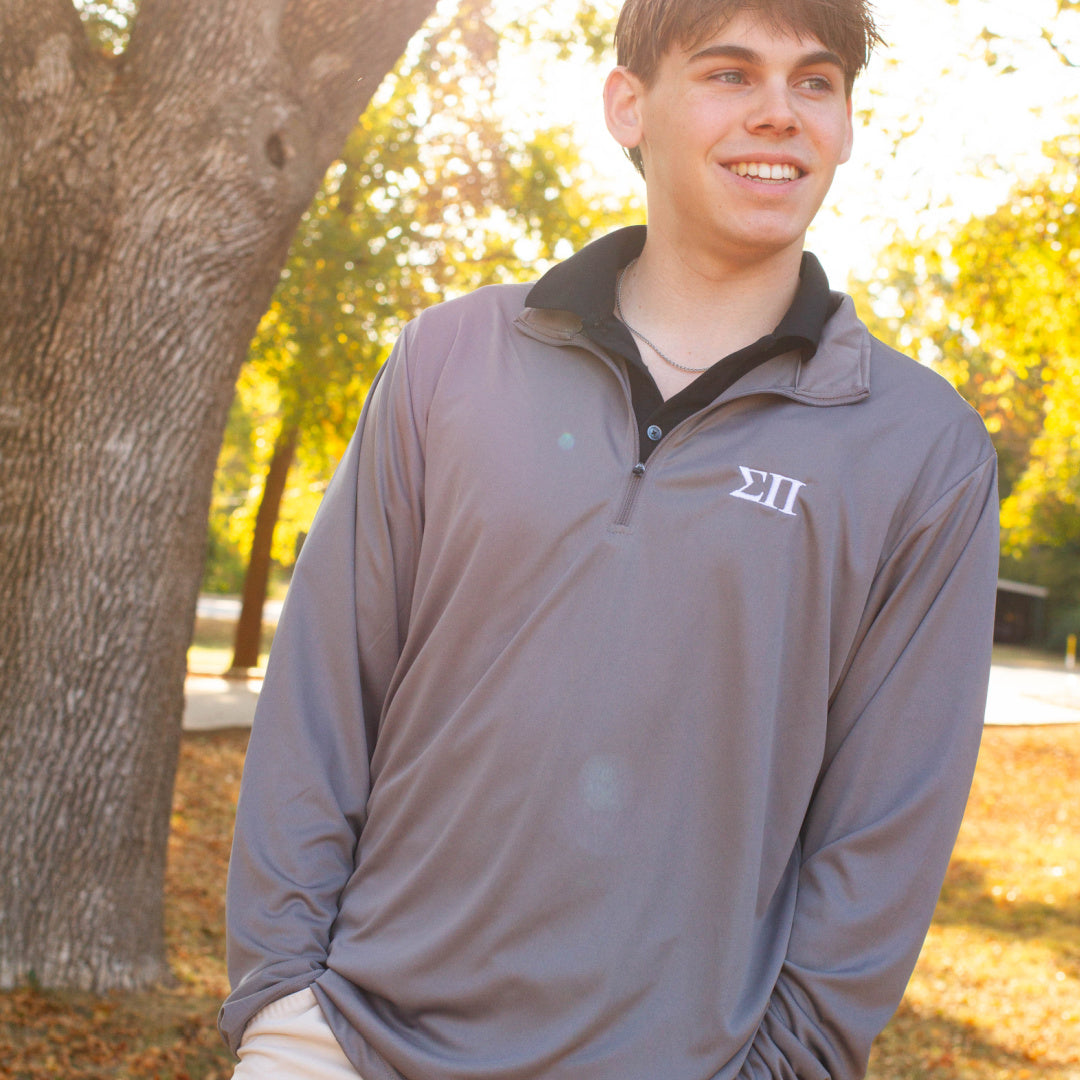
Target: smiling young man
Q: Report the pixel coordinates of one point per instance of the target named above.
(624, 706)
(738, 135)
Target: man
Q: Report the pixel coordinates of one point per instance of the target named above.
(628, 691)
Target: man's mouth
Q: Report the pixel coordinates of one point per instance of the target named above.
(760, 170)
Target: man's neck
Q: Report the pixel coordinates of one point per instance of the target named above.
(714, 295)
(700, 306)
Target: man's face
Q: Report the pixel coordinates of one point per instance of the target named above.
(740, 136)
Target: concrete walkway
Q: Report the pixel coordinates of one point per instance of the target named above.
(211, 702)
(1031, 696)
(1019, 696)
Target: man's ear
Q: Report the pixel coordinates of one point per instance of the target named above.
(622, 97)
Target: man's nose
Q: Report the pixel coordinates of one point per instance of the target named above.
(773, 109)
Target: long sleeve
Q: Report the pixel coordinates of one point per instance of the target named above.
(306, 779)
(904, 727)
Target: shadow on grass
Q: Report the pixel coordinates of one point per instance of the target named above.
(967, 901)
(917, 1046)
(1027, 657)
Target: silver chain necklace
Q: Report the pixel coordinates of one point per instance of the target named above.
(641, 337)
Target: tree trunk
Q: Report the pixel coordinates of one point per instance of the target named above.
(248, 642)
(146, 205)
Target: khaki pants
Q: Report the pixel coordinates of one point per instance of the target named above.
(291, 1040)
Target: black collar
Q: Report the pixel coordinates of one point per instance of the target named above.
(585, 285)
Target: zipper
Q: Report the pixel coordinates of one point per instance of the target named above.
(633, 486)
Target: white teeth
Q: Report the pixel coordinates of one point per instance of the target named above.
(764, 171)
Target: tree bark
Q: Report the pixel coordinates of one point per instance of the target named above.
(146, 205)
(248, 641)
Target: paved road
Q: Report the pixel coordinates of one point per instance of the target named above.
(212, 703)
(228, 608)
(1026, 696)
(1018, 696)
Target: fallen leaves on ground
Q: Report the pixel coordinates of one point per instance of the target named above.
(996, 994)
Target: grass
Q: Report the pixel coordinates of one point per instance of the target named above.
(1025, 656)
(211, 649)
(996, 995)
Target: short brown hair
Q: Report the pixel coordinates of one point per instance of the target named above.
(647, 29)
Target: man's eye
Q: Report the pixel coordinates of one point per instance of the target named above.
(727, 76)
(817, 82)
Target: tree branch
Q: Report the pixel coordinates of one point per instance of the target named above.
(280, 81)
(27, 23)
(340, 51)
(43, 50)
(336, 52)
(173, 43)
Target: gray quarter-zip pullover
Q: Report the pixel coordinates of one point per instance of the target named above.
(571, 768)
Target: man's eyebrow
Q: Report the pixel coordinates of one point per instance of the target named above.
(821, 56)
(729, 52)
(749, 56)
